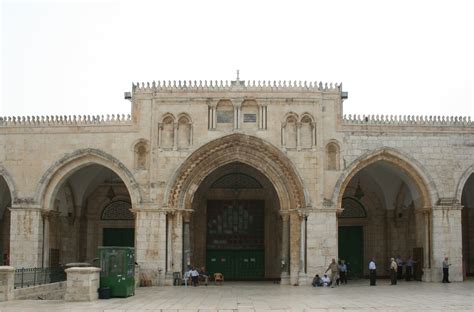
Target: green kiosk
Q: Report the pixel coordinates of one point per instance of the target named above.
(117, 270)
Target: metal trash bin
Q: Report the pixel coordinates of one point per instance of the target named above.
(117, 270)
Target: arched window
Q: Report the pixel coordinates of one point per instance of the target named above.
(290, 131)
(167, 132)
(184, 132)
(307, 133)
(117, 210)
(141, 155)
(332, 156)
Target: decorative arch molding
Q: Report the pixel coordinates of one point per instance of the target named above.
(253, 151)
(10, 183)
(462, 182)
(70, 163)
(307, 115)
(410, 166)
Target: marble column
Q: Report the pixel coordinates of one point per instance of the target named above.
(177, 242)
(302, 278)
(295, 236)
(26, 237)
(46, 217)
(186, 240)
(285, 249)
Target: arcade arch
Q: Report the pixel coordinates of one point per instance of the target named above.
(5, 204)
(467, 201)
(387, 212)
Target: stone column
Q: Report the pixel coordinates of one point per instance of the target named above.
(285, 249)
(186, 240)
(175, 136)
(46, 217)
(446, 240)
(295, 236)
(321, 239)
(302, 274)
(298, 135)
(26, 237)
(177, 242)
(7, 280)
(237, 107)
(160, 133)
(82, 284)
(150, 231)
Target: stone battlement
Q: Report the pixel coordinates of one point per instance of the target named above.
(408, 120)
(220, 85)
(65, 120)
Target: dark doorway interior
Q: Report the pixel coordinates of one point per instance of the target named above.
(351, 249)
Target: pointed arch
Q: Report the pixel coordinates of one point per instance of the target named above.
(410, 166)
(249, 150)
(53, 177)
(462, 182)
(10, 183)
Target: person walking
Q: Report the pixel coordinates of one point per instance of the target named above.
(399, 261)
(409, 269)
(334, 272)
(343, 272)
(393, 272)
(446, 266)
(372, 272)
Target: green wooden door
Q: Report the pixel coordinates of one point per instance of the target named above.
(234, 244)
(119, 237)
(351, 249)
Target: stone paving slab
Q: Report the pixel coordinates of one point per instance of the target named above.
(242, 297)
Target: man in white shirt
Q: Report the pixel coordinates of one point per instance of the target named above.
(372, 272)
(325, 280)
(393, 271)
(195, 276)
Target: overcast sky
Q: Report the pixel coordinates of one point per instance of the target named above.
(393, 57)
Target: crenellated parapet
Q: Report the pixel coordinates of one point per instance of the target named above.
(220, 85)
(65, 120)
(408, 120)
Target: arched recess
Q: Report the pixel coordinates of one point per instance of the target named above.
(333, 158)
(6, 196)
(166, 132)
(185, 131)
(68, 164)
(141, 151)
(9, 182)
(397, 195)
(465, 195)
(289, 130)
(307, 131)
(405, 163)
(249, 150)
(73, 193)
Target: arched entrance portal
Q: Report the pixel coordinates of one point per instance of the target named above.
(5, 203)
(386, 214)
(196, 187)
(90, 208)
(235, 224)
(467, 200)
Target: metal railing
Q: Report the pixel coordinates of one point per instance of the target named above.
(27, 277)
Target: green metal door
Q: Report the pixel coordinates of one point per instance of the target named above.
(119, 237)
(234, 244)
(351, 249)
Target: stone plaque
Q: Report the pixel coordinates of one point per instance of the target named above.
(225, 116)
(250, 117)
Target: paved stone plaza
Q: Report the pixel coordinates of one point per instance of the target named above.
(262, 296)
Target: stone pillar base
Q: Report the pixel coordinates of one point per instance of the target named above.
(302, 279)
(7, 279)
(82, 284)
(284, 278)
(168, 279)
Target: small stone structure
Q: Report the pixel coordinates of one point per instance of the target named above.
(7, 279)
(82, 284)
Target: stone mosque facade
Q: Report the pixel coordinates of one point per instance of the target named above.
(257, 180)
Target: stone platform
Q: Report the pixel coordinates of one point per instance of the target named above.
(240, 296)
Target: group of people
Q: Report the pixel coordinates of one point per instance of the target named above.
(193, 274)
(339, 272)
(338, 275)
(396, 270)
